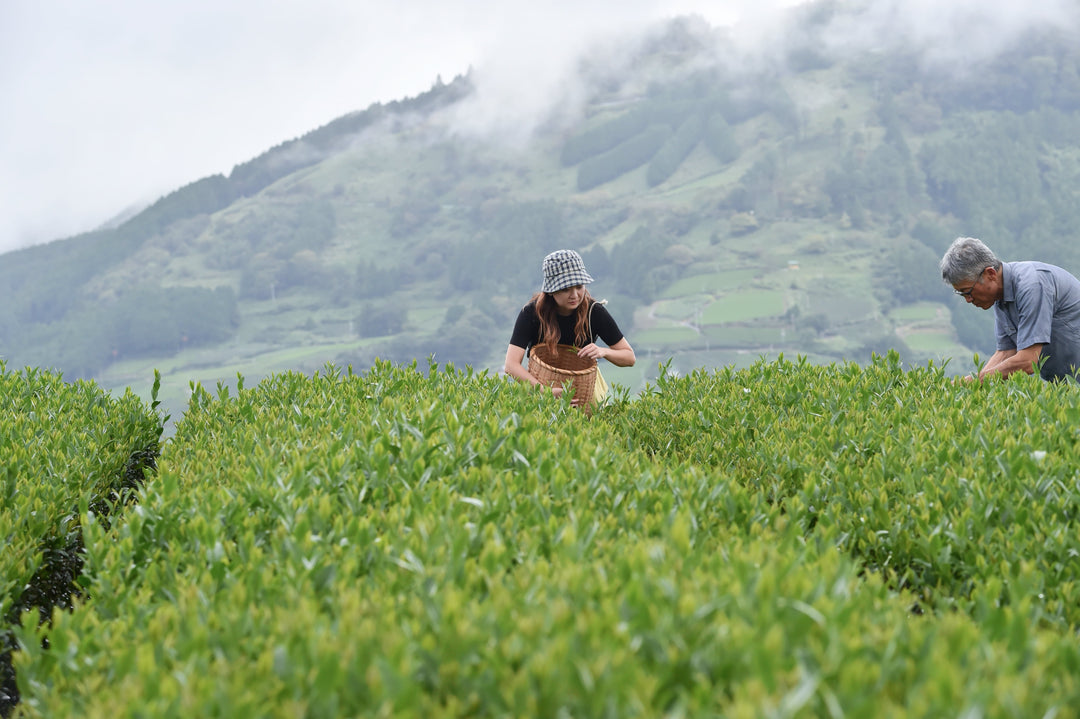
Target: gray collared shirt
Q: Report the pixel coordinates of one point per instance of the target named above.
(1041, 305)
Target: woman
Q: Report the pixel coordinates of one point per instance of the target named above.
(560, 314)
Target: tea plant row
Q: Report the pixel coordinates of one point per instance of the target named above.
(968, 496)
(64, 448)
(778, 541)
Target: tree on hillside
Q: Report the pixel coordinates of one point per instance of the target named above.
(974, 328)
(720, 139)
(761, 185)
(1037, 71)
(604, 137)
(674, 150)
(987, 175)
(79, 346)
(582, 226)
(492, 256)
(411, 215)
(884, 180)
(881, 344)
(917, 111)
(372, 280)
(312, 227)
(639, 265)
(150, 320)
(303, 269)
(526, 224)
(465, 337)
(908, 272)
(259, 279)
(935, 232)
(380, 319)
(598, 261)
(889, 178)
(280, 230)
(627, 156)
(1068, 88)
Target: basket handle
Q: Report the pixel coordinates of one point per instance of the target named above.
(592, 337)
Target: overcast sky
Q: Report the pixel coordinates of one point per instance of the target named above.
(113, 103)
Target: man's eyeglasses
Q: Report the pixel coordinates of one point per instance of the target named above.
(969, 290)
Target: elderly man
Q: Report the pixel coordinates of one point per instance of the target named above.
(1036, 309)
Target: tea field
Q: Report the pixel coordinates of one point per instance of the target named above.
(785, 539)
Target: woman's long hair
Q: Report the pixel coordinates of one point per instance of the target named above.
(547, 311)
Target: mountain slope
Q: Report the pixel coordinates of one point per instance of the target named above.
(797, 208)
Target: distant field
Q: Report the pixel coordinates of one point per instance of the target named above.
(666, 336)
(426, 318)
(841, 308)
(710, 283)
(748, 337)
(745, 306)
(682, 307)
(934, 342)
(920, 312)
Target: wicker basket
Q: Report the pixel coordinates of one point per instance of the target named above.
(566, 365)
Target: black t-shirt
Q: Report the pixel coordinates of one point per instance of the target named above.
(527, 327)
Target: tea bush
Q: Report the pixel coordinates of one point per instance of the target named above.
(778, 541)
(966, 495)
(63, 449)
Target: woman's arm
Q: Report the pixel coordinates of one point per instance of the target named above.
(513, 366)
(620, 354)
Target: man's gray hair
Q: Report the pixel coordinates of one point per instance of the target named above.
(965, 260)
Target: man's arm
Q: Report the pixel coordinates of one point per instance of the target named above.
(1005, 362)
(996, 359)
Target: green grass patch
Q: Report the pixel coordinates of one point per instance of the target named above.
(934, 342)
(745, 337)
(681, 308)
(841, 308)
(710, 283)
(919, 312)
(666, 337)
(744, 306)
(426, 319)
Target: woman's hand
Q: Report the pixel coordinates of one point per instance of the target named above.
(557, 390)
(592, 351)
(620, 354)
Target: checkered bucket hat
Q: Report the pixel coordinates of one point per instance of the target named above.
(562, 269)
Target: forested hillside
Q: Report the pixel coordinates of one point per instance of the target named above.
(798, 205)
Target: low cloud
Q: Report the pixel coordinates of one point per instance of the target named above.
(529, 81)
(949, 34)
